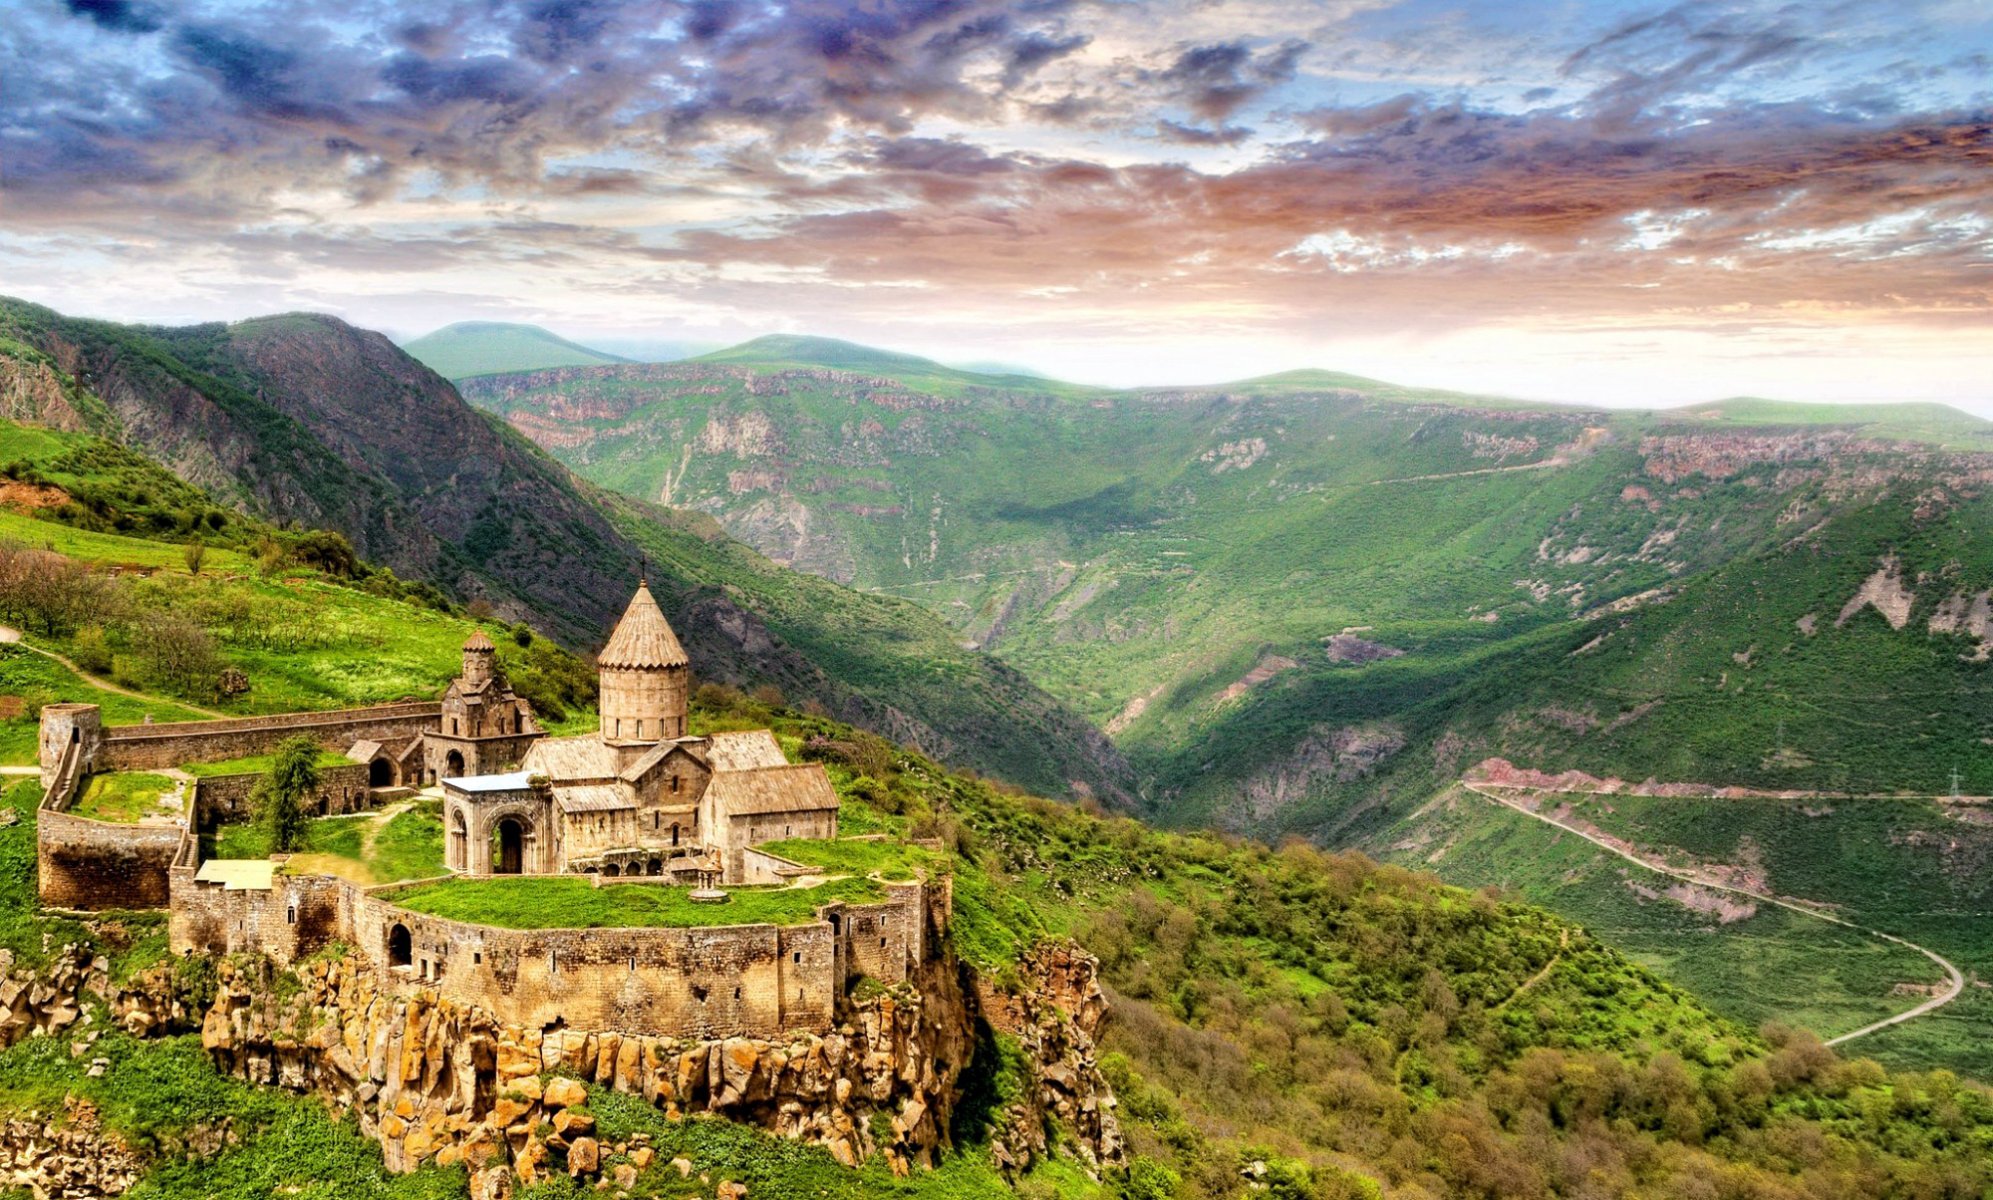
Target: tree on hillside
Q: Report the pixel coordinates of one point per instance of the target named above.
(194, 552)
(279, 796)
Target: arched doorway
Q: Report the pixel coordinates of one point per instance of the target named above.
(460, 842)
(508, 849)
(380, 773)
(453, 764)
(400, 946)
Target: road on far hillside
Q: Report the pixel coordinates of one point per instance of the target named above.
(12, 637)
(1956, 978)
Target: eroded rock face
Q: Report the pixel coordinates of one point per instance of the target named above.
(70, 1156)
(1055, 1015)
(437, 1080)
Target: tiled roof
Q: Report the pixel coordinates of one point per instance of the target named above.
(744, 751)
(583, 756)
(478, 641)
(802, 787)
(592, 798)
(643, 638)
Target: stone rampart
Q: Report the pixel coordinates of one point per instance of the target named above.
(712, 981)
(149, 747)
(84, 863)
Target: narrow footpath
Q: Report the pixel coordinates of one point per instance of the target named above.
(1953, 988)
(12, 637)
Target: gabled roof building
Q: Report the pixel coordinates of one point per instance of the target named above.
(638, 796)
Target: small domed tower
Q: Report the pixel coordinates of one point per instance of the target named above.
(645, 677)
(480, 660)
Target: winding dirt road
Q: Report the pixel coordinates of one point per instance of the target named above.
(1953, 988)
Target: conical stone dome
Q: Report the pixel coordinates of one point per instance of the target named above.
(643, 638)
(645, 677)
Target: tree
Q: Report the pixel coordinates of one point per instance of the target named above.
(194, 552)
(279, 796)
(177, 653)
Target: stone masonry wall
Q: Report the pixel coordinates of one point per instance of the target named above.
(298, 916)
(749, 980)
(83, 863)
(149, 747)
(224, 798)
(755, 980)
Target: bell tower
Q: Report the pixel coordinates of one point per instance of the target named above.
(480, 660)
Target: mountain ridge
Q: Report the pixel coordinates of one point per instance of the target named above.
(303, 418)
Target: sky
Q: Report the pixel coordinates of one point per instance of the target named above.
(1607, 202)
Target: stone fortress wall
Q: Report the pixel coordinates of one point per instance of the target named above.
(85, 863)
(144, 747)
(711, 981)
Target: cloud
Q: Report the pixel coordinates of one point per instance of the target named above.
(120, 15)
(1089, 164)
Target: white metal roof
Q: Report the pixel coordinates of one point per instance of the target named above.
(237, 874)
(514, 781)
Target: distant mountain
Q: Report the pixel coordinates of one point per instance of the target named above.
(1001, 369)
(471, 348)
(305, 419)
(783, 349)
(1937, 424)
(1293, 598)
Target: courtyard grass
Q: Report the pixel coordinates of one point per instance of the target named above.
(125, 796)
(360, 846)
(888, 858)
(572, 902)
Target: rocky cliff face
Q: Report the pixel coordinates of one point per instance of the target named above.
(440, 1082)
(436, 1080)
(34, 392)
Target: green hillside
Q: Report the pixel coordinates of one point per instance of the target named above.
(490, 347)
(1275, 594)
(1912, 868)
(1937, 424)
(1336, 1027)
(783, 349)
(301, 421)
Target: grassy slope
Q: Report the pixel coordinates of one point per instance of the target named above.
(1342, 1020)
(539, 539)
(1745, 966)
(1911, 867)
(486, 347)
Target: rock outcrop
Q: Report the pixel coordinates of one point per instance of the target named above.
(70, 1156)
(1055, 1014)
(434, 1080)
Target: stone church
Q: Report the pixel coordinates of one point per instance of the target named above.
(636, 797)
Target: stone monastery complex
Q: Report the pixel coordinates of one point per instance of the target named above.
(640, 803)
